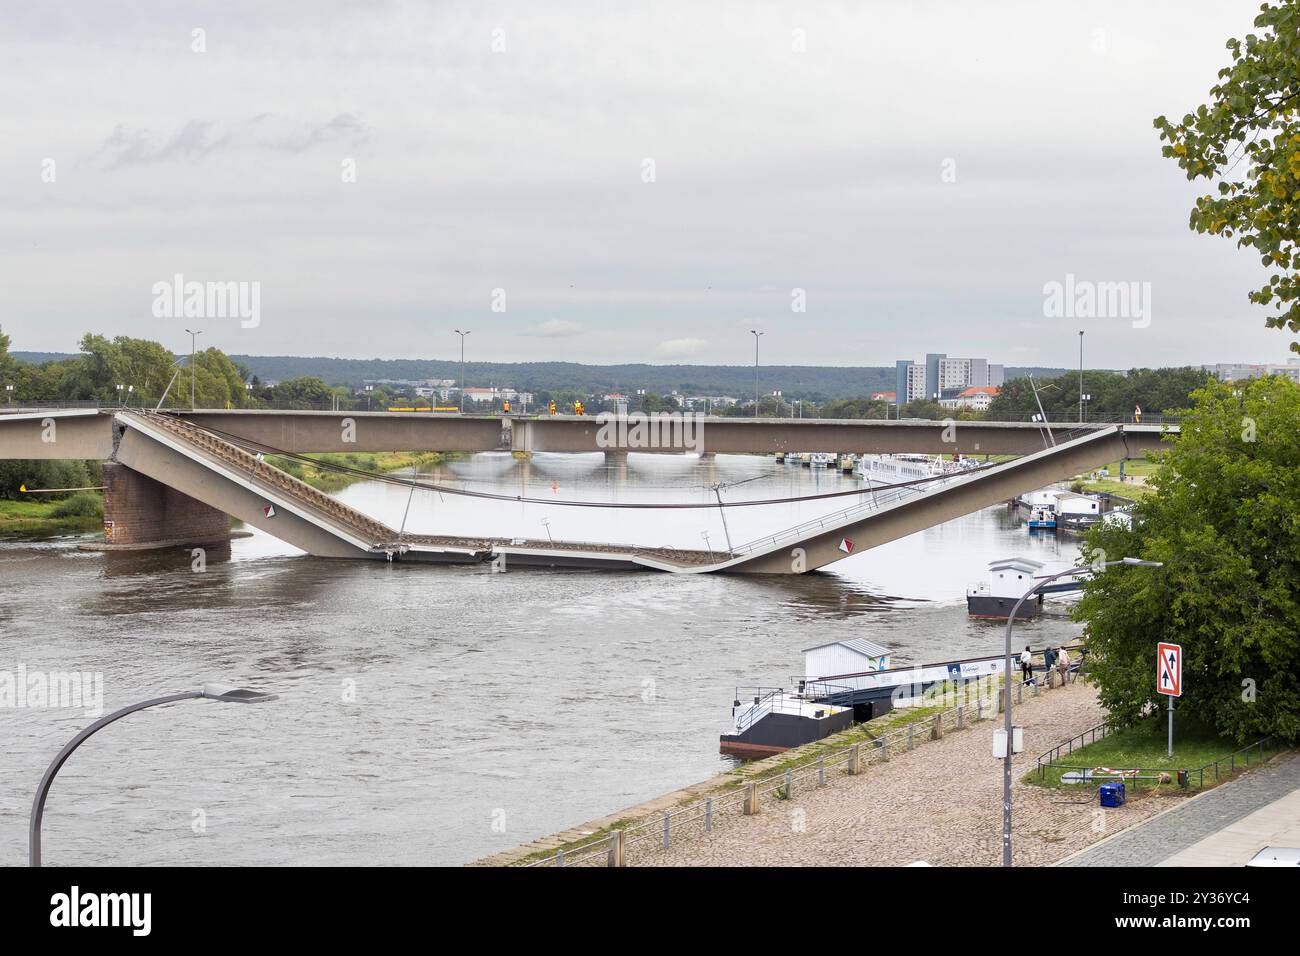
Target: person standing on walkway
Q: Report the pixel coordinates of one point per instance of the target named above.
(1049, 661)
(1026, 665)
(1063, 663)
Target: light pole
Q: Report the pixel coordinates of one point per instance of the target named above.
(462, 369)
(9, 391)
(193, 336)
(1086, 399)
(221, 692)
(1081, 399)
(1006, 682)
(757, 335)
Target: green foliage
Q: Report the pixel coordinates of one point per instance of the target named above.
(1160, 391)
(46, 474)
(1246, 141)
(1225, 519)
(84, 504)
(305, 392)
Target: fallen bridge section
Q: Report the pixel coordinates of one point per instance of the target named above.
(876, 521)
(191, 462)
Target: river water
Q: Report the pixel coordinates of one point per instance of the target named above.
(433, 715)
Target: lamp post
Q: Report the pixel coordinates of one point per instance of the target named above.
(462, 369)
(1006, 685)
(1086, 399)
(222, 692)
(1081, 398)
(757, 335)
(9, 392)
(193, 335)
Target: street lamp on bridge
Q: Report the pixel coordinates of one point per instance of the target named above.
(193, 336)
(757, 335)
(222, 692)
(462, 369)
(1006, 684)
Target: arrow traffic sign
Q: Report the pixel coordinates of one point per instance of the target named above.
(1169, 669)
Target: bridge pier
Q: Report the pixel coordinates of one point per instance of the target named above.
(141, 513)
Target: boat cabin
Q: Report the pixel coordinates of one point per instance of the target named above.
(855, 656)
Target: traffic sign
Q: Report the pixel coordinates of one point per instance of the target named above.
(1169, 669)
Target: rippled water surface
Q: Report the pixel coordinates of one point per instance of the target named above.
(431, 714)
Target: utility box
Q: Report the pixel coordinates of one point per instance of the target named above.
(1112, 794)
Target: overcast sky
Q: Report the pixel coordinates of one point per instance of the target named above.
(920, 169)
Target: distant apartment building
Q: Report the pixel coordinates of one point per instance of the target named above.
(942, 376)
(1238, 371)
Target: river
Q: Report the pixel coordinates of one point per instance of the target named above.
(434, 715)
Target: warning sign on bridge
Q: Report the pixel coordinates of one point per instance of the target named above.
(1169, 669)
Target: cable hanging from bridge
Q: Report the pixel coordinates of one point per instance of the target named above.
(523, 499)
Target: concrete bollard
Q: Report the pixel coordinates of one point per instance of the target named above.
(884, 748)
(667, 830)
(1002, 701)
(979, 708)
(708, 814)
(936, 727)
(751, 799)
(789, 784)
(616, 848)
(821, 772)
(911, 741)
(1020, 691)
(855, 760)
(1035, 688)
(959, 716)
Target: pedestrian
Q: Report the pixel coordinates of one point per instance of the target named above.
(1026, 666)
(1063, 663)
(1049, 662)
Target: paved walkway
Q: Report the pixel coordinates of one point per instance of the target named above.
(941, 803)
(1221, 827)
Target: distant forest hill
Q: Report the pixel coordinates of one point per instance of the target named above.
(811, 382)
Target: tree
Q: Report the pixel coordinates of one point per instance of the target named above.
(1246, 141)
(8, 364)
(1225, 520)
(306, 391)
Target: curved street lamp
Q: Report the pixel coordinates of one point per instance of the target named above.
(1006, 683)
(222, 692)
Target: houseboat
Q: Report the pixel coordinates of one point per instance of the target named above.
(1078, 512)
(1008, 580)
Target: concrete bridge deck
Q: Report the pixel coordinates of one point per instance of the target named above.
(87, 433)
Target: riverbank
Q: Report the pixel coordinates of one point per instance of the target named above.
(939, 803)
(34, 518)
(325, 479)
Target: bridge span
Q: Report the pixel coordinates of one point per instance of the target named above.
(87, 433)
(170, 481)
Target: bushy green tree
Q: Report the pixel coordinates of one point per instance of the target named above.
(1246, 142)
(1225, 520)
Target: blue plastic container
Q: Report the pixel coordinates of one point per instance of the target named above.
(1112, 794)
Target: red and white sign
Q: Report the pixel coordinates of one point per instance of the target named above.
(268, 511)
(1169, 669)
(846, 546)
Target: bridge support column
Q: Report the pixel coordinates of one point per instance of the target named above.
(141, 513)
